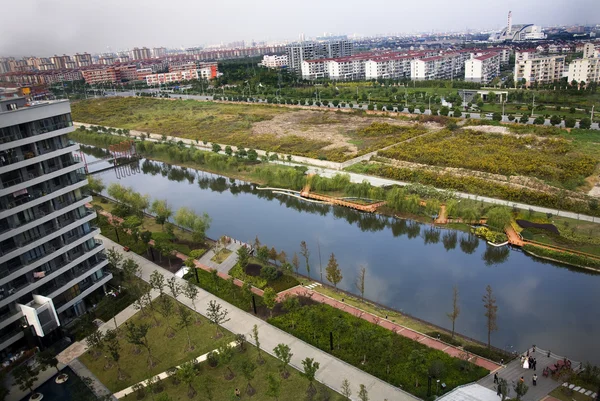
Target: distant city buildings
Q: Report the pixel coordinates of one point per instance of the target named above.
(531, 67)
(586, 69)
(201, 54)
(140, 54)
(518, 32)
(298, 52)
(482, 68)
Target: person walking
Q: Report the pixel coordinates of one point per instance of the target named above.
(534, 379)
(534, 364)
(496, 378)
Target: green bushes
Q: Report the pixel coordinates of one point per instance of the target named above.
(374, 349)
(568, 258)
(493, 237)
(447, 338)
(492, 354)
(237, 271)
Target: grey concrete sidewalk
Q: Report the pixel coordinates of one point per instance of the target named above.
(227, 263)
(332, 370)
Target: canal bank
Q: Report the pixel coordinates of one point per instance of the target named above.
(411, 267)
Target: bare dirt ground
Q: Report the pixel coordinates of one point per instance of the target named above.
(324, 126)
(489, 129)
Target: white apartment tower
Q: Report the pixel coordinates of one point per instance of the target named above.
(535, 68)
(49, 259)
(586, 69)
(298, 52)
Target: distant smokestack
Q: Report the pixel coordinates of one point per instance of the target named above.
(509, 28)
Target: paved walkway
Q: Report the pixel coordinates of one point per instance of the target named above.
(513, 371)
(396, 328)
(227, 264)
(332, 371)
(96, 385)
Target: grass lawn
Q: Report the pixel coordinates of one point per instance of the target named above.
(562, 394)
(169, 351)
(292, 389)
(221, 256)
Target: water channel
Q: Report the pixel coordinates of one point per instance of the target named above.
(411, 267)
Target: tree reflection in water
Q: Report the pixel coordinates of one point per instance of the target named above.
(469, 244)
(495, 255)
(449, 239)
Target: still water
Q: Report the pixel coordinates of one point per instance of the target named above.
(411, 267)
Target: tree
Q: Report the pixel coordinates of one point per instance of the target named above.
(334, 274)
(95, 184)
(257, 342)
(216, 315)
(95, 341)
(585, 123)
(187, 374)
(25, 377)
(247, 292)
(520, 389)
(216, 147)
(157, 282)
(136, 335)
(191, 291)
(360, 282)
(539, 120)
(243, 256)
(444, 111)
(570, 122)
(503, 388)
(524, 118)
(296, 262)
(228, 150)
(270, 299)
(310, 371)
(346, 391)
(114, 349)
(47, 359)
(306, 253)
(198, 224)
(273, 254)
(248, 369)
(173, 287)
(284, 354)
(497, 116)
(291, 304)
(417, 361)
(162, 211)
(274, 389)
(252, 155)
(555, 120)
(491, 309)
(185, 321)
(455, 309)
(499, 217)
(114, 258)
(363, 395)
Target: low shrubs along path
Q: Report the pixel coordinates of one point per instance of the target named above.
(318, 297)
(394, 327)
(332, 370)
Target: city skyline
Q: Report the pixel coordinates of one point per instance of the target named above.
(95, 28)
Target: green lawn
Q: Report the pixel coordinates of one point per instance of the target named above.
(169, 351)
(564, 394)
(292, 389)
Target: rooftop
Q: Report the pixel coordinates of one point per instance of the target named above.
(486, 56)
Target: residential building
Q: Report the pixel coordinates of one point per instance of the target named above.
(586, 69)
(274, 61)
(83, 60)
(126, 72)
(107, 59)
(139, 54)
(445, 66)
(159, 52)
(503, 52)
(482, 68)
(298, 52)
(99, 75)
(199, 53)
(49, 260)
(60, 61)
(169, 77)
(534, 68)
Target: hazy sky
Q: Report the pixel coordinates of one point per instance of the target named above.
(46, 27)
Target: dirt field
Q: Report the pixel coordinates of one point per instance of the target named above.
(336, 128)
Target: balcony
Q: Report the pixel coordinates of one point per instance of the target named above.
(12, 271)
(8, 339)
(30, 287)
(20, 161)
(89, 288)
(21, 183)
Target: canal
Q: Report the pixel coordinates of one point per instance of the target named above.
(411, 267)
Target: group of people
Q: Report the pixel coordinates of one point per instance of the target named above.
(528, 361)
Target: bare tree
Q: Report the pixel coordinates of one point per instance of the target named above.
(491, 310)
(360, 282)
(455, 309)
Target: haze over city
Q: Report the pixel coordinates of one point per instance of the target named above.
(68, 26)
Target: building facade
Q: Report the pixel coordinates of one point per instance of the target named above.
(534, 68)
(586, 69)
(483, 68)
(446, 66)
(83, 60)
(49, 259)
(298, 52)
(139, 54)
(274, 61)
(169, 77)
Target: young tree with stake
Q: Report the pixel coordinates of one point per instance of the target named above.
(491, 309)
(260, 359)
(310, 371)
(306, 253)
(360, 282)
(217, 315)
(334, 274)
(284, 354)
(455, 309)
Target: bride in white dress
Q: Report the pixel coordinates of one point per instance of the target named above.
(526, 363)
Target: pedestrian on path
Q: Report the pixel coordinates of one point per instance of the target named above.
(534, 364)
(534, 379)
(496, 378)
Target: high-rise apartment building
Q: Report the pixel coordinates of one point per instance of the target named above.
(159, 52)
(482, 67)
(586, 69)
(140, 54)
(49, 260)
(83, 60)
(298, 52)
(60, 61)
(533, 68)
